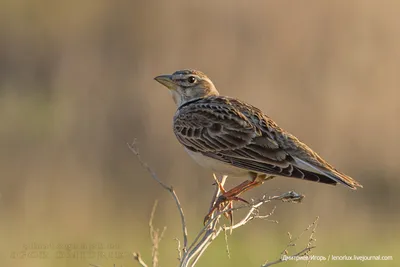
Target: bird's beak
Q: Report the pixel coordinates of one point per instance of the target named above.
(166, 80)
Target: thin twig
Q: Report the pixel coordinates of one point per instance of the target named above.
(133, 148)
(155, 236)
(301, 253)
(218, 186)
(311, 239)
(228, 252)
(292, 241)
(138, 258)
(178, 248)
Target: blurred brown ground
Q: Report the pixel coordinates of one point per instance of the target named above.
(76, 84)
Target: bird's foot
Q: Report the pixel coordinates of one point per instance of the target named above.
(224, 203)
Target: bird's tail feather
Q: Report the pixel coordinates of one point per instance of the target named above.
(331, 173)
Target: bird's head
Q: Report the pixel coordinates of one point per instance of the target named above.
(185, 85)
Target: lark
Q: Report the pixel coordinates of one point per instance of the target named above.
(232, 137)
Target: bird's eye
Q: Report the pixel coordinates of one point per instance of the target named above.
(191, 79)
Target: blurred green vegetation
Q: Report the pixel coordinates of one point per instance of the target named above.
(76, 86)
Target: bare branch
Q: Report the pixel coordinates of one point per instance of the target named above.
(212, 220)
(190, 254)
(211, 230)
(134, 149)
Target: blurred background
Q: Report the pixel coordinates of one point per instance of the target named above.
(76, 84)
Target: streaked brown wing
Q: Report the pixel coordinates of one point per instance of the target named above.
(206, 127)
(262, 167)
(241, 135)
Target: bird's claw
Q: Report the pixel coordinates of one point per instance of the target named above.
(224, 203)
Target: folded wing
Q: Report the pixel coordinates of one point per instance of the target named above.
(239, 134)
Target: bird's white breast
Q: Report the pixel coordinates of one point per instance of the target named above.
(216, 165)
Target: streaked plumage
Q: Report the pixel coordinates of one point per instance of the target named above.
(231, 136)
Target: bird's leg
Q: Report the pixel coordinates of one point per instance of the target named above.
(227, 197)
(220, 186)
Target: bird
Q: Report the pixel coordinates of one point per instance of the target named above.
(232, 137)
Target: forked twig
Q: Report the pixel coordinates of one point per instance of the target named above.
(292, 243)
(156, 238)
(155, 235)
